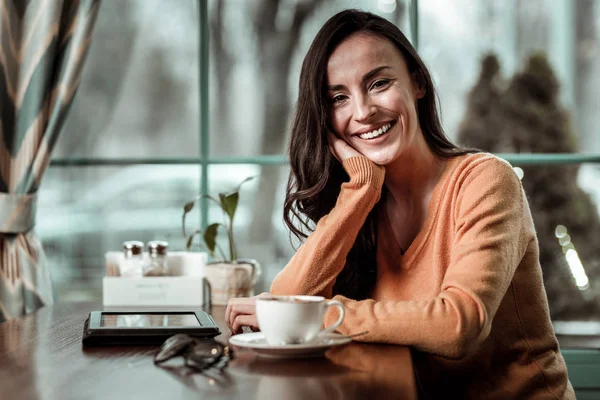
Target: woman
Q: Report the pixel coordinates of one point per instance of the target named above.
(426, 244)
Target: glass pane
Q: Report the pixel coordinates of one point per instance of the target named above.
(455, 36)
(565, 204)
(139, 93)
(256, 55)
(85, 212)
(259, 230)
(587, 79)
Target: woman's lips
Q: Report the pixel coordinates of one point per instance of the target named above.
(370, 137)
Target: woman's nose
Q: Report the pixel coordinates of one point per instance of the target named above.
(363, 109)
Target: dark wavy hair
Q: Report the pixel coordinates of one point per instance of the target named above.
(316, 176)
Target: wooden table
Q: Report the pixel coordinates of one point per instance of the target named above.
(41, 357)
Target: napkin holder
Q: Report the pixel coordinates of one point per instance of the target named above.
(184, 288)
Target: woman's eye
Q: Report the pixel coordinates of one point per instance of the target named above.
(338, 99)
(380, 83)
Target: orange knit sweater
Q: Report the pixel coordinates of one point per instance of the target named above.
(467, 295)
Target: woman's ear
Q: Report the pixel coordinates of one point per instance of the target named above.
(420, 84)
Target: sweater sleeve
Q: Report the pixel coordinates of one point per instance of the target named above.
(315, 266)
(489, 242)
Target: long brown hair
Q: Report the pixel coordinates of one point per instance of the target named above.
(316, 176)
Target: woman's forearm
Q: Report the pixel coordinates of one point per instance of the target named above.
(317, 263)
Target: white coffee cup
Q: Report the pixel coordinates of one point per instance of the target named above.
(294, 319)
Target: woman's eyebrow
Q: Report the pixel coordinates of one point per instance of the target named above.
(369, 75)
(366, 77)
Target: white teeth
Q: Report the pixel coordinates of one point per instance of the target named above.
(376, 132)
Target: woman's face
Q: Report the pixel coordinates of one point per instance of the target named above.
(372, 97)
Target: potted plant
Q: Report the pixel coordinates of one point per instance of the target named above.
(228, 275)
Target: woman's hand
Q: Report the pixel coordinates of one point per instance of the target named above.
(340, 149)
(241, 311)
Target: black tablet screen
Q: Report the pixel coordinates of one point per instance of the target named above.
(149, 320)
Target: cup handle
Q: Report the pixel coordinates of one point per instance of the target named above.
(338, 304)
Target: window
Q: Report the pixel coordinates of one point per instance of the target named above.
(165, 112)
(138, 99)
(455, 36)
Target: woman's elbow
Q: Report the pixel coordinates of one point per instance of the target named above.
(463, 343)
(468, 326)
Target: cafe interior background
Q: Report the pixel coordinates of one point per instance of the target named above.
(184, 97)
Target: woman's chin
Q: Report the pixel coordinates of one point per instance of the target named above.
(381, 159)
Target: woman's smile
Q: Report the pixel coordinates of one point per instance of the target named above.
(376, 135)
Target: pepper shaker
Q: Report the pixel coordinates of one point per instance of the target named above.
(133, 259)
(157, 265)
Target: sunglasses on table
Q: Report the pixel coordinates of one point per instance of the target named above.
(199, 354)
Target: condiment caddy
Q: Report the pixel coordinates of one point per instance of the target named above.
(155, 279)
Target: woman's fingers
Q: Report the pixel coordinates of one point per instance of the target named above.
(244, 320)
(240, 309)
(242, 306)
(234, 304)
(230, 304)
(340, 149)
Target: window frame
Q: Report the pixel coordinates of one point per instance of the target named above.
(204, 161)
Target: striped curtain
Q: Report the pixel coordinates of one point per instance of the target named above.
(43, 45)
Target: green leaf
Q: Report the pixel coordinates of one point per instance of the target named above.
(210, 237)
(191, 239)
(229, 202)
(188, 207)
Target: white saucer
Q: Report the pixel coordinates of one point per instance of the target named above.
(256, 342)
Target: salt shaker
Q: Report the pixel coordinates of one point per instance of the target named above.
(157, 265)
(133, 258)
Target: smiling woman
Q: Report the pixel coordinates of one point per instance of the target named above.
(373, 78)
(424, 243)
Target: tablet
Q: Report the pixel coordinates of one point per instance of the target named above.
(145, 327)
